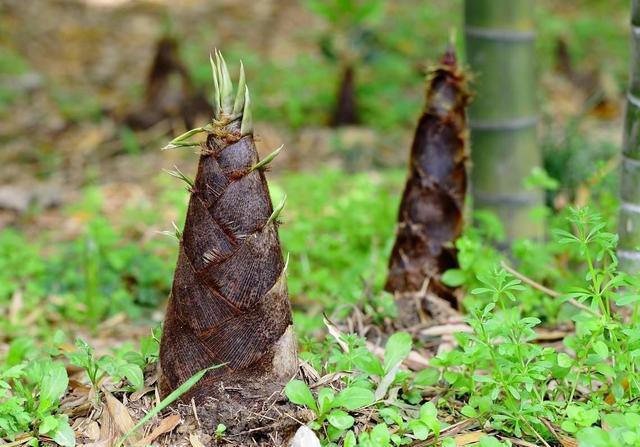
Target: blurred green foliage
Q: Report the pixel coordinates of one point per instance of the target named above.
(337, 230)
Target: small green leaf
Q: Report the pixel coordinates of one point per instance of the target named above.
(419, 429)
(490, 441)
(605, 369)
(49, 423)
(601, 349)
(514, 392)
(428, 412)
(369, 363)
(64, 434)
(564, 360)
(340, 419)
(453, 277)
(594, 437)
(133, 373)
(299, 393)
(469, 411)
(569, 426)
(349, 440)
(325, 400)
(53, 386)
(397, 349)
(380, 435)
(354, 398)
(449, 442)
(427, 377)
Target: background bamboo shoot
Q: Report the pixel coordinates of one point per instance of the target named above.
(431, 212)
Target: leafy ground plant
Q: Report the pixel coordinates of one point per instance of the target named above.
(500, 377)
(34, 384)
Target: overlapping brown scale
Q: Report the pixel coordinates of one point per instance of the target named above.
(237, 158)
(204, 235)
(242, 208)
(251, 333)
(185, 355)
(432, 217)
(252, 271)
(227, 305)
(445, 169)
(210, 181)
(193, 296)
(431, 211)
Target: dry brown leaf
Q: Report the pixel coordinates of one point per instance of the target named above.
(446, 329)
(92, 431)
(568, 442)
(108, 428)
(165, 426)
(550, 334)
(121, 417)
(335, 333)
(468, 438)
(16, 306)
(195, 441)
(87, 428)
(138, 394)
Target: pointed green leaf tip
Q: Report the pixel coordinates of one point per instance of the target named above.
(238, 105)
(247, 120)
(181, 140)
(268, 159)
(224, 104)
(216, 88)
(276, 212)
(226, 87)
(177, 173)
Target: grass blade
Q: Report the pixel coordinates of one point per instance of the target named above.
(175, 395)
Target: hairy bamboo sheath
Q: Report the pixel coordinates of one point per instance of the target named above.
(229, 303)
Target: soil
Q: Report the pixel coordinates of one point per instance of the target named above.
(252, 418)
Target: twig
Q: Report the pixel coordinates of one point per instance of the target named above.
(552, 293)
(195, 412)
(538, 435)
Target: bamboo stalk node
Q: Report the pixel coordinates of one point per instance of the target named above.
(500, 35)
(505, 124)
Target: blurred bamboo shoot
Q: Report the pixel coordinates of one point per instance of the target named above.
(431, 212)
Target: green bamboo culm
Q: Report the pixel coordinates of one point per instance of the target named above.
(629, 218)
(499, 37)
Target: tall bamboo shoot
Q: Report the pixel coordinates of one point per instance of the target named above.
(229, 303)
